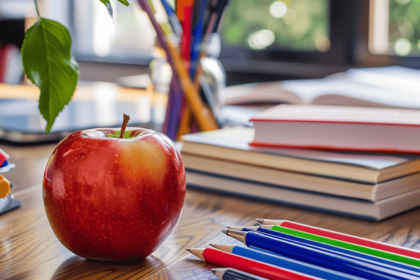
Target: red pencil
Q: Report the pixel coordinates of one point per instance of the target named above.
(224, 259)
(186, 35)
(343, 237)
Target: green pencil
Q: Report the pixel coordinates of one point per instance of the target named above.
(346, 245)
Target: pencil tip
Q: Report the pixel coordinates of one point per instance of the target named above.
(260, 220)
(212, 245)
(228, 226)
(188, 249)
(224, 231)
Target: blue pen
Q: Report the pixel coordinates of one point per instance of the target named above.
(361, 268)
(340, 251)
(284, 262)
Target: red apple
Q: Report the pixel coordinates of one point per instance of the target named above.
(114, 199)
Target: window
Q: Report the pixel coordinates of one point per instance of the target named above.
(127, 38)
(263, 36)
(395, 27)
(287, 24)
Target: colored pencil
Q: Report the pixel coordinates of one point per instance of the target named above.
(348, 246)
(180, 8)
(169, 125)
(177, 85)
(199, 10)
(344, 237)
(284, 262)
(186, 37)
(184, 126)
(317, 257)
(205, 119)
(201, 114)
(234, 274)
(173, 19)
(216, 10)
(224, 259)
(410, 269)
(219, 12)
(211, 13)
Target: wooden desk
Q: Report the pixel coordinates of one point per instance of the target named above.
(29, 249)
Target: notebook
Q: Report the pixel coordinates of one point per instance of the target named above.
(338, 128)
(232, 144)
(376, 211)
(300, 181)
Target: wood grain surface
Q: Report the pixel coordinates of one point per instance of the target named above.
(29, 249)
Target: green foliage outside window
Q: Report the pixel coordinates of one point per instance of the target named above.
(404, 27)
(293, 24)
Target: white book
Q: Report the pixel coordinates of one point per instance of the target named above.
(301, 181)
(232, 144)
(377, 211)
(394, 87)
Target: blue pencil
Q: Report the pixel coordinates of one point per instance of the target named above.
(360, 268)
(173, 19)
(340, 251)
(284, 262)
(172, 120)
(197, 35)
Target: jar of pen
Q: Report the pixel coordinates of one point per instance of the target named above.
(211, 79)
(191, 47)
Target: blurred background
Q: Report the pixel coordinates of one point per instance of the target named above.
(260, 40)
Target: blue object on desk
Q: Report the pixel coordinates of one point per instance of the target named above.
(360, 268)
(340, 251)
(291, 264)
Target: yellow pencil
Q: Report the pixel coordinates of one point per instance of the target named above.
(205, 119)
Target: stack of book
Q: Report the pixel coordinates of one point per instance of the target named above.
(7, 202)
(276, 161)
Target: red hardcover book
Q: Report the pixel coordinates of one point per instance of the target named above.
(338, 128)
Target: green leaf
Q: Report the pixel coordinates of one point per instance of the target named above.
(125, 2)
(49, 64)
(107, 3)
(108, 6)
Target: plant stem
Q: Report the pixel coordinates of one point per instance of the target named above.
(36, 7)
(124, 125)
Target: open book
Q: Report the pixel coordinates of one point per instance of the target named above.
(356, 87)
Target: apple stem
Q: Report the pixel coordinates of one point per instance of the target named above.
(124, 124)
